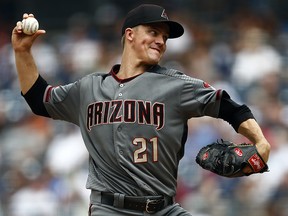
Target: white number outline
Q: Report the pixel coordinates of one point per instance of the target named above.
(141, 154)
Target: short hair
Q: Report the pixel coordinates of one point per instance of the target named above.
(123, 40)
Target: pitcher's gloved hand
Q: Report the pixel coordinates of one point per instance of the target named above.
(228, 159)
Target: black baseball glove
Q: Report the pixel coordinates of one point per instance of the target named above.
(228, 159)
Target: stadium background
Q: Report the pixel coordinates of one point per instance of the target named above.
(239, 45)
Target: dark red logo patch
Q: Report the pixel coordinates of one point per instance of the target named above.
(256, 163)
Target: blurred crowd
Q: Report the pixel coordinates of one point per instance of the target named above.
(43, 163)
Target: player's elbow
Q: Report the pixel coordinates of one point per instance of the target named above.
(40, 111)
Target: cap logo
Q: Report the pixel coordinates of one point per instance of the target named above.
(164, 15)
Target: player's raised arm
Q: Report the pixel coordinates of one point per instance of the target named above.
(25, 64)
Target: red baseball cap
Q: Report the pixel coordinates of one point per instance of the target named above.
(150, 13)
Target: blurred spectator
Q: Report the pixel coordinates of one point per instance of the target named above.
(7, 72)
(78, 51)
(46, 58)
(199, 61)
(34, 199)
(67, 158)
(254, 59)
(277, 205)
(66, 153)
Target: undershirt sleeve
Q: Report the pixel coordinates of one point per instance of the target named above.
(34, 97)
(233, 112)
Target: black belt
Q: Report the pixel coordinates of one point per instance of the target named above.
(149, 204)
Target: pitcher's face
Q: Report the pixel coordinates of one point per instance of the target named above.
(150, 42)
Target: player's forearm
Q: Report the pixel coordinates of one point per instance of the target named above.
(253, 132)
(26, 69)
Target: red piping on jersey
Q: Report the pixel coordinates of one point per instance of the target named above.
(218, 94)
(47, 93)
(115, 69)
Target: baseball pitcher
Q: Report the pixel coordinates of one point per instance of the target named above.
(133, 118)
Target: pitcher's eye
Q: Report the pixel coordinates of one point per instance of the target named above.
(153, 32)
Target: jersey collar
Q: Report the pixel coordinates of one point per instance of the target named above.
(115, 69)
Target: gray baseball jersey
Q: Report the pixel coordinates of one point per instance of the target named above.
(134, 129)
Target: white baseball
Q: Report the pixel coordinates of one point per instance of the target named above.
(30, 25)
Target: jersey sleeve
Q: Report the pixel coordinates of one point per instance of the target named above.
(198, 99)
(62, 102)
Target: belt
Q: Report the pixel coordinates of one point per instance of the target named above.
(149, 204)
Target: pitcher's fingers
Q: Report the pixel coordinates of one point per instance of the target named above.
(39, 32)
(25, 15)
(31, 15)
(19, 26)
(247, 170)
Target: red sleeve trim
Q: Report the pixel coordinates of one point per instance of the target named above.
(47, 94)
